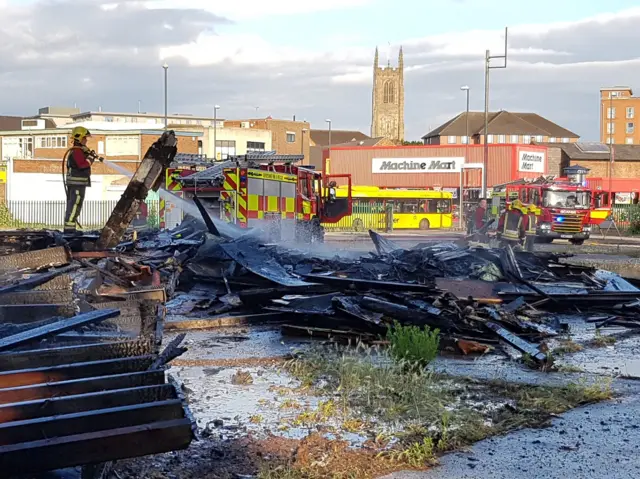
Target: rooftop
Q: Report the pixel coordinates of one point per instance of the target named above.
(144, 115)
(321, 137)
(501, 123)
(597, 151)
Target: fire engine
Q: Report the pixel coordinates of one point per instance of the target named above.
(268, 191)
(563, 206)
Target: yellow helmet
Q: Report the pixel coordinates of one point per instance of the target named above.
(79, 133)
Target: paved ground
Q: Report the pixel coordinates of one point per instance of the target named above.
(600, 441)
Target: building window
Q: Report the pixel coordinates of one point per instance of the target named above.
(502, 138)
(452, 139)
(629, 141)
(489, 138)
(464, 139)
(611, 128)
(608, 140)
(54, 141)
(389, 92)
(552, 139)
(631, 111)
(108, 119)
(291, 137)
(225, 148)
(514, 138)
(25, 147)
(539, 138)
(526, 139)
(255, 146)
(611, 113)
(630, 128)
(565, 140)
(134, 119)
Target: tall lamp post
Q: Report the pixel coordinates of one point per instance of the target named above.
(166, 68)
(215, 132)
(466, 89)
(487, 68)
(304, 130)
(329, 123)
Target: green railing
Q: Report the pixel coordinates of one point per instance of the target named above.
(50, 214)
(627, 218)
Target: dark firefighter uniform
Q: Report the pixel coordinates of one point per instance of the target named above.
(532, 220)
(513, 225)
(78, 161)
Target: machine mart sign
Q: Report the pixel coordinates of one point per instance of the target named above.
(531, 161)
(417, 165)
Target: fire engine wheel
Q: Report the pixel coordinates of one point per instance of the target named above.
(424, 224)
(358, 225)
(577, 242)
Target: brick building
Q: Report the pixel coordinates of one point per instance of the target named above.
(504, 127)
(618, 109)
(340, 139)
(33, 160)
(597, 158)
(288, 137)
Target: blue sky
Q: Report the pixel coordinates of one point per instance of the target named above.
(383, 21)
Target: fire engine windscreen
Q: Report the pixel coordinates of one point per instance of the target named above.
(566, 199)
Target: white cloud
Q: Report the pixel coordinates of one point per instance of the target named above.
(46, 52)
(246, 9)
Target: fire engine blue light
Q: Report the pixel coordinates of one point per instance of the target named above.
(243, 178)
(560, 219)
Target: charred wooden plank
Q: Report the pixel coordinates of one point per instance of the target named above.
(81, 386)
(37, 279)
(517, 342)
(64, 372)
(35, 260)
(366, 284)
(94, 447)
(60, 296)
(89, 421)
(58, 327)
(40, 358)
(28, 313)
(85, 402)
(223, 321)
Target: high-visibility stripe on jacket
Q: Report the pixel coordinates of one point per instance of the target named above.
(512, 226)
(78, 167)
(533, 221)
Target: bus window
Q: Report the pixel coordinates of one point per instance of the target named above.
(444, 206)
(410, 207)
(422, 206)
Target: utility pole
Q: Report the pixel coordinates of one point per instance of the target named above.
(611, 147)
(215, 132)
(465, 89)
(166, 68)
(487, 67)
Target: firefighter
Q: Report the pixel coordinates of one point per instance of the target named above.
(532, 220)
(78, 161)
(513, 224)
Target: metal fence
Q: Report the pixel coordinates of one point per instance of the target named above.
(627, 218)
(50, 214)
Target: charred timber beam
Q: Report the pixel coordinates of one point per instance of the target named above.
(81, 386)
(89, 421)
(58, 327)
(406, 314)
(211, 227)
(95, 447)
(147, 177)
(224, 321)
(36, 260)
(37, 279)
(64, 372)
(85, 402)
(62, 296)
(365, 284)
(517, 342)
(28, 313)
(41, 358)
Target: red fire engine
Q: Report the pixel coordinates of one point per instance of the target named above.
(268, 191)
(564, 207)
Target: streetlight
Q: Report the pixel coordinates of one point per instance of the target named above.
(487, 67)
(215, 131)
(304, 130)
(166, 68)
(329, 122)
(466, 89)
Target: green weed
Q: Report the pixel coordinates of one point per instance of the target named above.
(412, 344)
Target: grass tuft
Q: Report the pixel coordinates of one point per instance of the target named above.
(412, 344)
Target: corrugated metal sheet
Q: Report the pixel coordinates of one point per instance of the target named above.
(502, 165)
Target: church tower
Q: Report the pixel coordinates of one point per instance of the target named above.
(387, 117)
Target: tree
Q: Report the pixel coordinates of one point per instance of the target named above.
(405, 143)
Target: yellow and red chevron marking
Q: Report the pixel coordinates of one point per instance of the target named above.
(230, 180)
(171, 183)
(226, 197)
(242, 207)
(163, 223)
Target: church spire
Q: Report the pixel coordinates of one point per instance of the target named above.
(375, 59)
(401, 60)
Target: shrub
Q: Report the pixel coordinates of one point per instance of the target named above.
(412, 344)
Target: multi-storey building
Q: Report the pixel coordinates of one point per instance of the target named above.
(618, 109)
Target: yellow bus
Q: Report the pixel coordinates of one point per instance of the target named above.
(412, 209)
